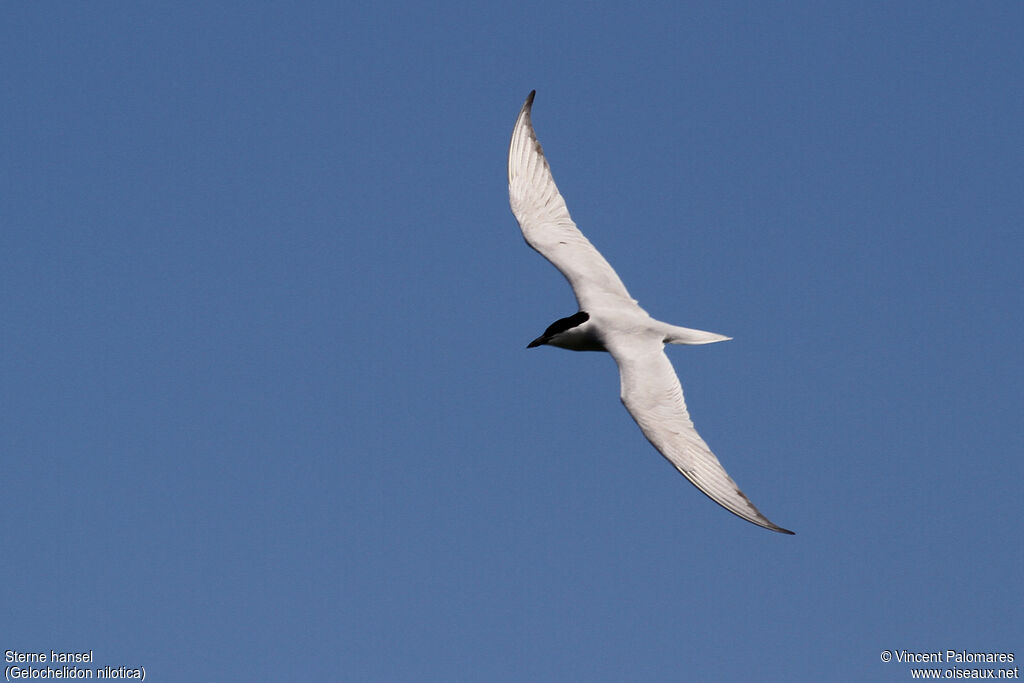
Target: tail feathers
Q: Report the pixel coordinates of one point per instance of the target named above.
(684, 335)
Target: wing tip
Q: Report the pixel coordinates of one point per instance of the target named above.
(752, 514)
(758, 518)
(524, 113)
(522, 132)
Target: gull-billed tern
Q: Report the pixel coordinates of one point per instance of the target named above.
(609, 319)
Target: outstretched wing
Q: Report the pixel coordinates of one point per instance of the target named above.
(653, 396)
(545, 222)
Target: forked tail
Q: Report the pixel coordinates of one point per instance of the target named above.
(684, 335)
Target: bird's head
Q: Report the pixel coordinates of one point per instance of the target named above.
(573, 333)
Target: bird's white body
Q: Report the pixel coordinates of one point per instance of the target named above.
(609, 319)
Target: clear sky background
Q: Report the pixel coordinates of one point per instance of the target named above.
(267, 411)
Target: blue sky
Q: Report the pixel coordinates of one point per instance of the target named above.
(266, 404)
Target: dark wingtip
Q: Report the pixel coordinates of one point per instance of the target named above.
(529, 99)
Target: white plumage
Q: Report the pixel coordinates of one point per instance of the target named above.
(610, 320)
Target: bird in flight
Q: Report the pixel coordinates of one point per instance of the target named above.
(609, 319)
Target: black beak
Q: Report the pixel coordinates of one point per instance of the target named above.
(537, 342)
